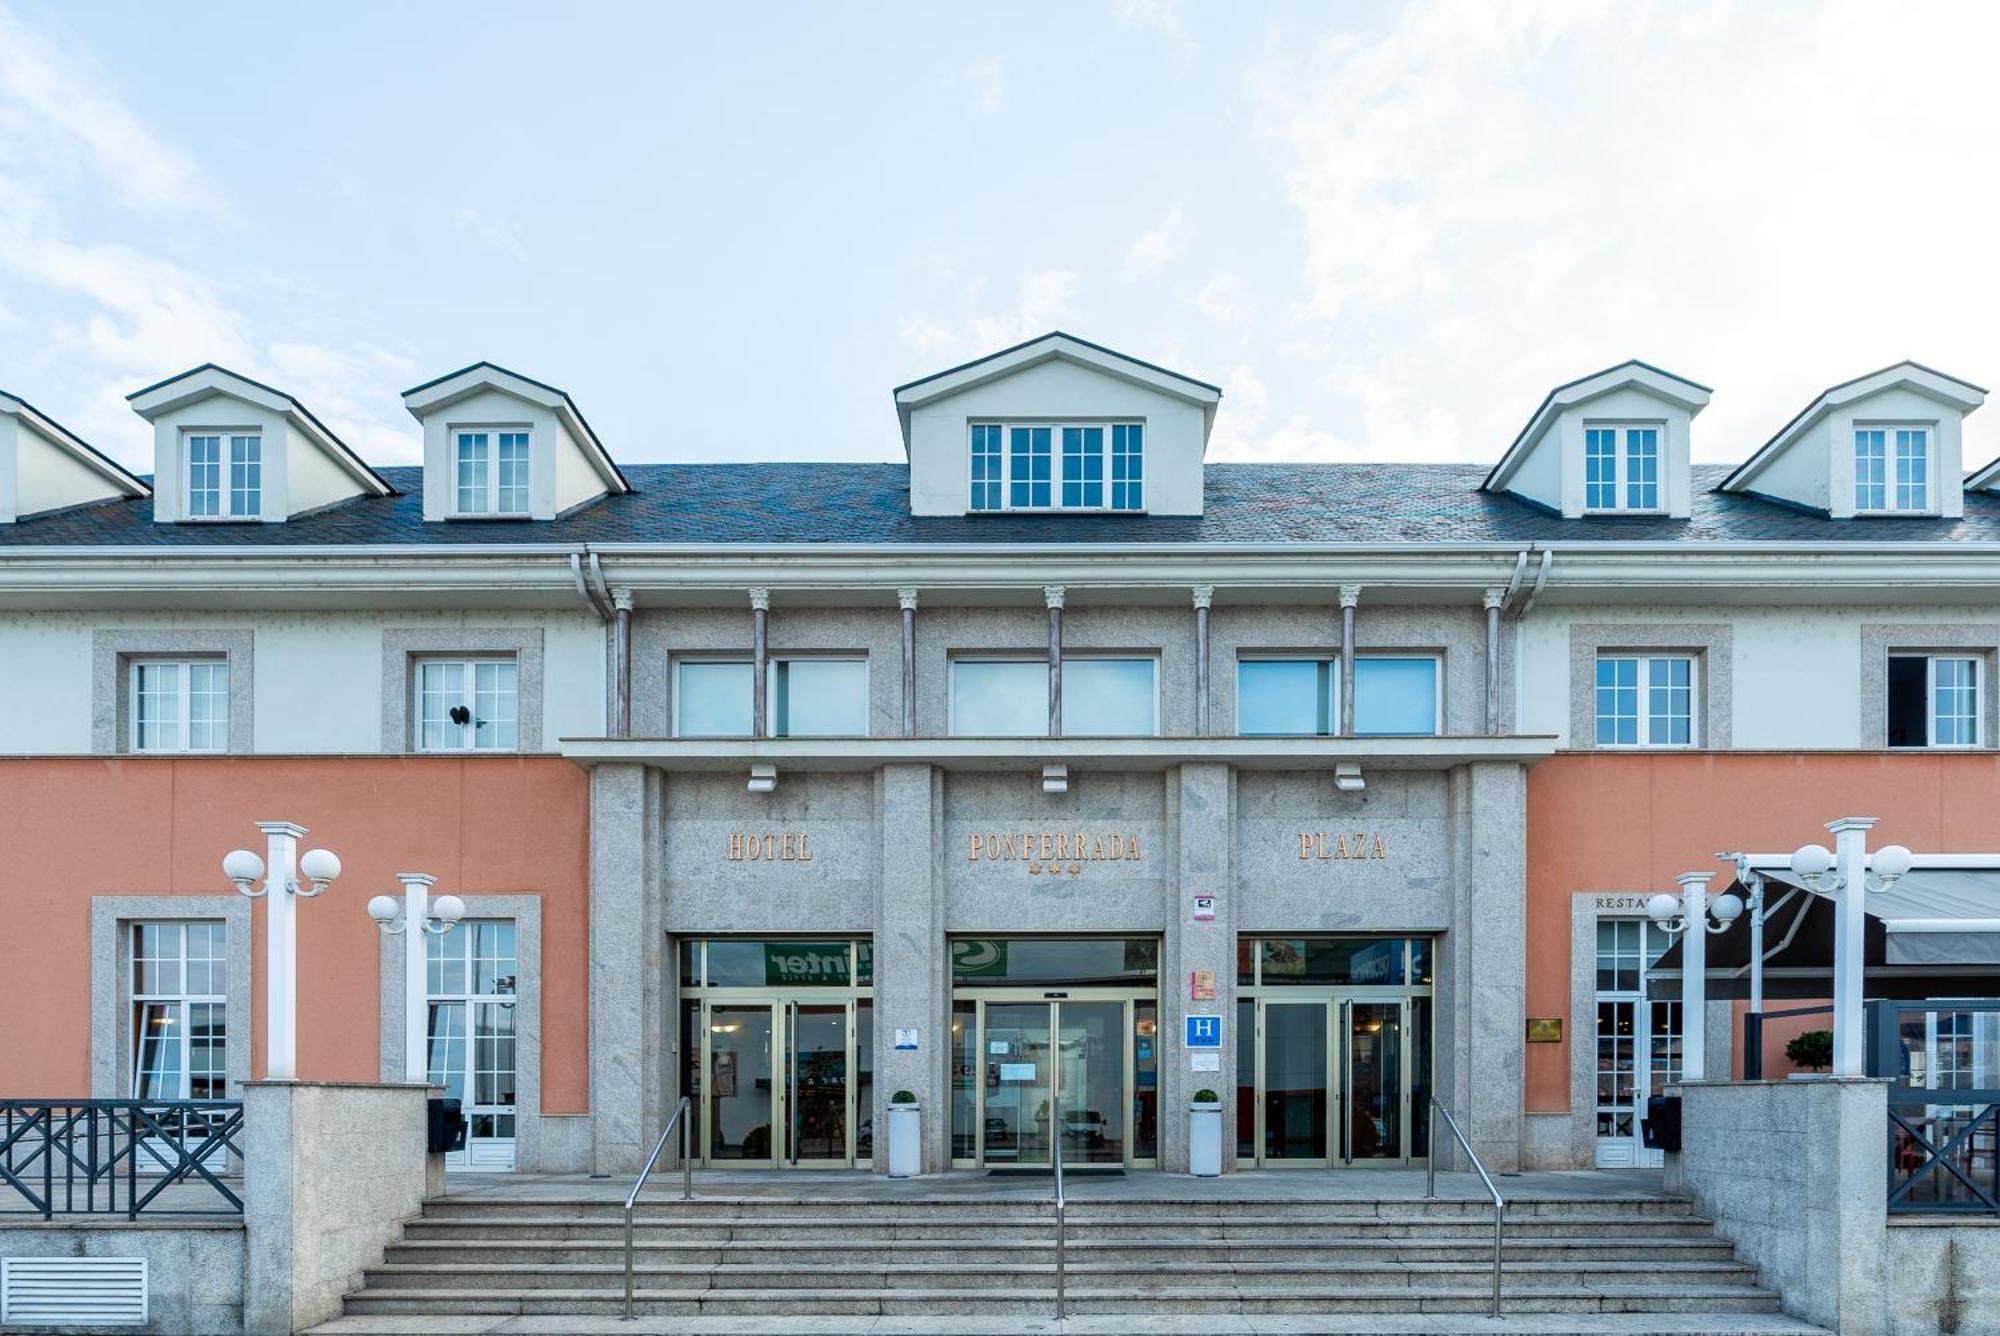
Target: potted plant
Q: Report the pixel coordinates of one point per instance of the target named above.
(906, 1139)
(1812, 1050)
(1205, 1134)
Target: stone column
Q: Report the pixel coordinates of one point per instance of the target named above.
(906, 599)
(912, 970)
(1203, 596)
(1199, 800)
(1489, 958)
(1350, 595)
(1492, 601)
(621, 663)
(628, 1067)
(1053, 596)
(760, 649)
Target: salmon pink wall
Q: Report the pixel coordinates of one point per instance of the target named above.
(1628, 822)
(74, 828)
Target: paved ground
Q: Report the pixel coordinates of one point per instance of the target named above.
(1140, 1185)
(1214, 1324)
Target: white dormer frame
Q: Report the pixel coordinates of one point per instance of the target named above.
(213, 400)
(44, 466)
(1903, 396)
(567, 464)
(1049, 347)
(1547, 462)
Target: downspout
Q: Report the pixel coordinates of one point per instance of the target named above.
(1497, 602)
(590, 588)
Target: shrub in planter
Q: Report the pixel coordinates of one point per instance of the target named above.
(903, 1097)
(1206, 1096)
(1812, 1050)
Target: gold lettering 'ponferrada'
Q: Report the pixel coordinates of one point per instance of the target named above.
(1320, 846)
(1059, 850)
(749, 846)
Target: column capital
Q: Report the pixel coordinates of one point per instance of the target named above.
(1052, 595)
(621, 599)
(1493, 598)
(906, 598)
(1691, 880)
(1204, 595)
(760, 599)
(410, 879)
(1350, 595)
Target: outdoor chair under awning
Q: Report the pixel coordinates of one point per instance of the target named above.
(1935, 933)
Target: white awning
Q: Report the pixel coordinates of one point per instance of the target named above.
(1932, 915)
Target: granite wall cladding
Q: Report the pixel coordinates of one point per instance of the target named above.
(1011, 813)
(1377, 861)
(833, 890)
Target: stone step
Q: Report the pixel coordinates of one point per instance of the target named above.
(1039, 1223)
(670, 1207)
(1083, 1300)
(1525, 1276)
(979, 1250)
(1157, 1324)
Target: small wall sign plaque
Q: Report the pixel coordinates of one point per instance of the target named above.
(1201, 986)
(1545, 1029)
(1204, 909)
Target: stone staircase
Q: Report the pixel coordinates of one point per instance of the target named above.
(767, 1257)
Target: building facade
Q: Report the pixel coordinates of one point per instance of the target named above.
(1051, 776)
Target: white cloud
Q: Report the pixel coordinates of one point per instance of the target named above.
(1150, 253)
(1160, 17)
(1043, 303)
(1496, 197)
(491, 233)
(1226, 300)
(979, 87)
(927, 336)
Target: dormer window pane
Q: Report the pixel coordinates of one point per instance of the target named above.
(1128, 467)
(472, 448)
(204, 477)
(513, 480)
(1892, 468)
(1600, 468)
(986, 477)
(490, 472)
(1621, 479)
(215, 492)
(1870, 471)
(1642, 468)
(1029, 476)
(1083, 467)
(1912, 466)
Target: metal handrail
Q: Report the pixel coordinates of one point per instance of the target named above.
(1062, 1257)
(632, 1197)
(1499, 1202)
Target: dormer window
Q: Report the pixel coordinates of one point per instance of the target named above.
(1621, 468)
(490, 471)
(1892, 470)
(225, 475)
(1014, 467)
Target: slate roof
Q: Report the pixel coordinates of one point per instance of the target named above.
(803, 503)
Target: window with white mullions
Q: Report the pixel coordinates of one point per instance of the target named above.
(1935, 700)
(1128, 466)
(472, 976)
(1060, 466)
(491, 472)
(468, 705)
(1621, 468)
(986, 475)
(1083, 468)
(180, 1005)
(225, 475)
(1892, 468)
(1645, 700)
(180, 705)
(1638, 1041)
(1028, 468)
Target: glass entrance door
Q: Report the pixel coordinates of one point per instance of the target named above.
(1081, 1052)
(741, 1095)
(816, 1079)
(1293, 1057)
(1332, 1081)
(1019, 1080)
(1374, 1091)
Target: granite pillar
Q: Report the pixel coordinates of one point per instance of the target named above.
(912, 962)
(1200, 799)
(627, 1067)
(1491, 1003)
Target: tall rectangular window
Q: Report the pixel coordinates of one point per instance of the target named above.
(818, 698)
(1395, 696)
(1892, 470)
(225, 475)
(1645, 700)
(1621, 468)
(1912, 469)
(180, 1005)
(1128, 466)
(1286, 698)
(986, 477)
(1028, 468)
(1642, 468)
(1600, 468)
(1871, 470)
(712, 698)
(490, 472)
(1934, 700)
(179, 705)
(468, 705)
(1000, 698)
(1083, 468)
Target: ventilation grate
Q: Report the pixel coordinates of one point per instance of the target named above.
(72, 1291)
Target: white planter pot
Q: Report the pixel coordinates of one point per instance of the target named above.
(906, 1141)
(1205, 1140)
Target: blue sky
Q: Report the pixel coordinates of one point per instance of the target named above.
(728, 231)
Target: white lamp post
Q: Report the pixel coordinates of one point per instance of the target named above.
(416, 915)
(281, 938)
(1694, 914)
(1850, 865)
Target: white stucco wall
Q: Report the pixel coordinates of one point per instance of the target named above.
(222, 415)
(36, 474)
(318, 684)
(1058, 390)
(312, 478)
(577, 481)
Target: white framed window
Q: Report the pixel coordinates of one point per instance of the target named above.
(999, 697)
(225, 474)
(490, 470)
(468, 704)
(1621, 467)
(1078, 466)
(473, 977)
(1646, 700)
(180, 1010)
(1892, 469)
(179, 705)
(807, 696)
(1397, 695)
(1103, 695)
(1936, 700)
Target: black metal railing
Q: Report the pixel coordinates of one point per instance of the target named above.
(1942, 1059)
(119, 1157)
